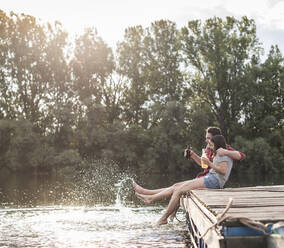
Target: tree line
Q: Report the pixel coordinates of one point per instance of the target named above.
(64, 100)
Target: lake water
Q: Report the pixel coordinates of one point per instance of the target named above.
(94, 208)
(93, 211)
(97, 226)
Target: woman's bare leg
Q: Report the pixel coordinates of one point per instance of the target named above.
(139, 189)
(174, 202)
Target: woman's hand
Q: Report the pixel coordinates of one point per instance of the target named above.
(205, 161)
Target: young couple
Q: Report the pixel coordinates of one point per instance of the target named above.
(219, 159)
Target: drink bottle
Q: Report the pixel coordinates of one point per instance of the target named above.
(188, 152)
(203, 165)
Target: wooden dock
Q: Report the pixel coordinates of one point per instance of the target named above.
(255, 219)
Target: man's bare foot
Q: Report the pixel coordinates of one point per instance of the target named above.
(144, 198)
(162, 222)
(137, 187)
(172, 216)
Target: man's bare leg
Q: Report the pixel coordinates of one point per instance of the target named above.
(139, 189)
(174, 213)
(174, 202)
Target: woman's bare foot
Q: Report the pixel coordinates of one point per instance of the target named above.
(144, 198)
(162, 222)
(137, 188)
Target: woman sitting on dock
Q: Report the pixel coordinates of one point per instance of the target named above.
(215, 179)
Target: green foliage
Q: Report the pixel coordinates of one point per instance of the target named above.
(264, 111)
(67, 158)
(221, 53)
(163, 58)
(43, 157)
(131, 64)
(200, 118)
(92, 63)
(22, 145)
(261, 158)
(6, 135)
(168, 139)
(60, 104)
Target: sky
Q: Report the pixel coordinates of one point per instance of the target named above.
(111, 17)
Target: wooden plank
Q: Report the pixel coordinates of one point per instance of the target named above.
(213, 238)
(248, 203)
(235, 192)
(264, 204)
(255, 188)
(256, 198)
(257, 209)
(208, 212)
(243, 195)
(259, 203)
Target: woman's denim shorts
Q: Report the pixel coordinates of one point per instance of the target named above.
(211, 182)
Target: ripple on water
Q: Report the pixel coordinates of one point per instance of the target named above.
(99, 226)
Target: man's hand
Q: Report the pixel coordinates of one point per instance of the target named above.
(221, 152)
(232, 154)
(187, 153)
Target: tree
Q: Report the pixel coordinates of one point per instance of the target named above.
(112, 97)
(220, 54)
(264, 111)
(7, 107)
(91, 65)
(162, 67)
(131, 64)
(27, 68)
(169, 138)
(59, 111)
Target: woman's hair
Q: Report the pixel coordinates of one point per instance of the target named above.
(219, 142)
(214, 130)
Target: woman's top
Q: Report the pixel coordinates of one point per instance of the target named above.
(222, 178)
(210, 155)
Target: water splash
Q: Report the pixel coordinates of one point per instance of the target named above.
(102, 182)
(121, 187)
(95, 182)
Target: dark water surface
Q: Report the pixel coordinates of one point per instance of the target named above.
(94, 208)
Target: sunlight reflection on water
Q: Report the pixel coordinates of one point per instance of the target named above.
(94, 208)
(99, 226)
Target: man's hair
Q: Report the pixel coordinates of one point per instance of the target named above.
(219, 141)
(214, 130)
